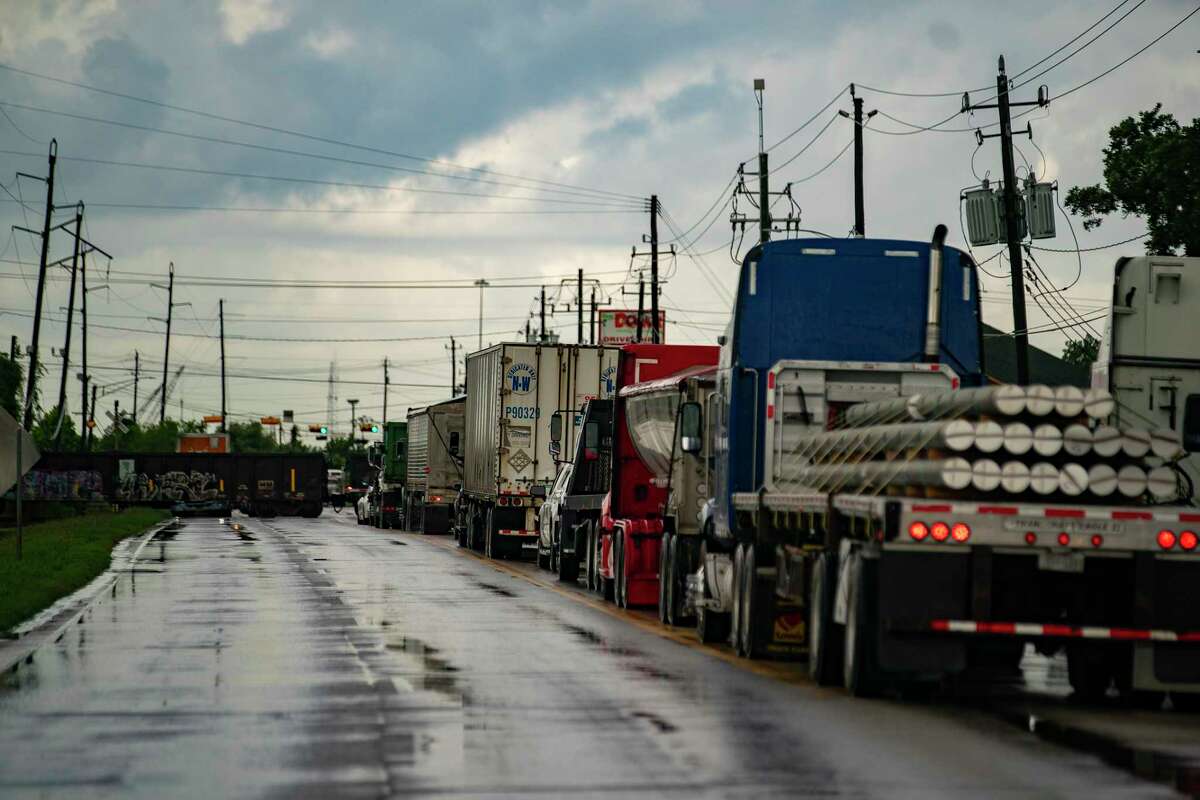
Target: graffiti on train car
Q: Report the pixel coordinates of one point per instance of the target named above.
(70, 484)
(174, 485)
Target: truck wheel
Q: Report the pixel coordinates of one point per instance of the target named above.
(543, 559)
(489, 537)
(568, 567)
(590, 562)
(664, 569)
(750, 621)
(682, 564)
(824, 637)
(736, 614)
(1088, 673)
(859, 672)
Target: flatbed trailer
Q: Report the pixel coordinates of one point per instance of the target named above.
(877, 580)
(928, 587)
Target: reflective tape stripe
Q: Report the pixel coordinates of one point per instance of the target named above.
(1060, 631)
(515, 532)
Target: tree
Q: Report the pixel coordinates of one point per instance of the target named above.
(1081, 351)
(12, 381)
(43, 432)
(1151, 170)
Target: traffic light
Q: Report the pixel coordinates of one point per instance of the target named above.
(324, 430)
(374, 429)
(369, 427)
(316, 429)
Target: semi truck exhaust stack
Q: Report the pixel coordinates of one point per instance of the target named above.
(933, 315)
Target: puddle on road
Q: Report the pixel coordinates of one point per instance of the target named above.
(435, 674)
(497, 590)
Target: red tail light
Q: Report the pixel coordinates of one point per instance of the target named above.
(1030, 538)
(437, 498)
(1166, 539)
(960, 532)
(389, 509)
(1064, 539)
(940, 531)
(918, 531)
(503, 500)
(1097, 540)
(1188, 540)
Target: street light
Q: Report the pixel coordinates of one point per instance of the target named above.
(481, 283)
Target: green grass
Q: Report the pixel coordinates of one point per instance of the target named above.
(60, 556)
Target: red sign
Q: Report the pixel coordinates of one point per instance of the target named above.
(619, 326)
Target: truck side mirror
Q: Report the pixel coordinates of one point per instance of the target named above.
(1191, 423)
(453, 443)
(556, 427)
(691, 426)
(591, 440)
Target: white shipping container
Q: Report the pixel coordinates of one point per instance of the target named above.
(513, 390)
(433, 431)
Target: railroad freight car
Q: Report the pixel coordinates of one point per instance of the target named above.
(187, 483)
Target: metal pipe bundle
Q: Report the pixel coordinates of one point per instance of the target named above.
(957, 435)
(1002, 401)
(949, 473)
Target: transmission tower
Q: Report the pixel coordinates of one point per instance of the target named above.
(331, 400)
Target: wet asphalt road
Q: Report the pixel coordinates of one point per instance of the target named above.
(316, 658)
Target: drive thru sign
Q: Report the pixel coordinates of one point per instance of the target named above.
(619, 326)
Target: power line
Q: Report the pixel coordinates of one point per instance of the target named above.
(308, 136)
(317, 182)
(810, 120)
(351, 211)
(1126, 60)
(1082, 47)
(239, 337)
(1137, 238)
(1032, 66)
(280, 150)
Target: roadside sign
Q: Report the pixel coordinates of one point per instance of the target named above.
(212, 419)
(268, 420)
(619, 325)
(117, 422)
(287, 415)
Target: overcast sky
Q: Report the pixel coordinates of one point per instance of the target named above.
(575, 109)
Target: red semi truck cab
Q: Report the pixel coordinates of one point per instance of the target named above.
(631, 520)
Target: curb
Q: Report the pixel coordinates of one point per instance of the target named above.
(21, 649)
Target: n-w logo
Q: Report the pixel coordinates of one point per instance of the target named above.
(521, 378)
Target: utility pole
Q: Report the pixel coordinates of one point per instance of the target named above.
(31, 381)
(170, 287)
(116, 428)
(1013, 210)
(641, 306)
(654, 333)
(221, 316)
(454, 367)
(66, 365)
(86, 379)
(481, 283)
(592, 324)
(353, 406)
(91, 419)
(860, 224)
(542, 318)
(137, 368)
(386, 381)
(579, 307)
(764, 205)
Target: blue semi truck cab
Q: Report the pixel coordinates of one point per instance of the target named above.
(821, 326)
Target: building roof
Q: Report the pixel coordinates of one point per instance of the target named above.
(1000, 362)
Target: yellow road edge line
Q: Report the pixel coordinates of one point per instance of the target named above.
(766, 669)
